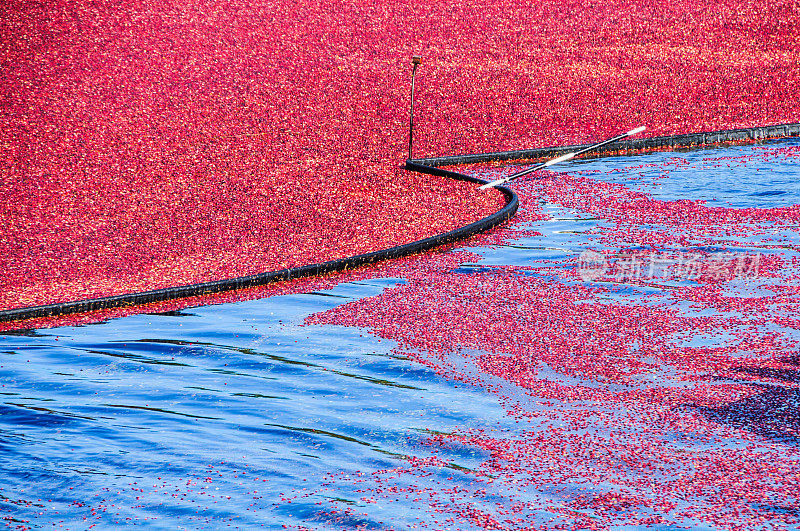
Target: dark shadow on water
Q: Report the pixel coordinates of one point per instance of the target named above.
(787, 375)
(29, 332)
(768, 193)
(774, 413)
(174, 313)
(778, 509)
(323, 294)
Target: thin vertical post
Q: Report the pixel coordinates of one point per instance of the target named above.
(416, 60)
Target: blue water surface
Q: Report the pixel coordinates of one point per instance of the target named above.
(212, 416)
(212, 412)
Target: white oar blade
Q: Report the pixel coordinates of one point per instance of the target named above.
(556, 160)
(635, 131)
(493, 184)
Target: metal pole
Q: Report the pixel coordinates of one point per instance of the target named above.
(416, 60)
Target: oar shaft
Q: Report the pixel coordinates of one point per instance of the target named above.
(566, 157)
(610, 141)
(562, 158)
(543, 165)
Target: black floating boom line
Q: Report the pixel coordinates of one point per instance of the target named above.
(656, 143)
(429, 166)
(260, 279)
